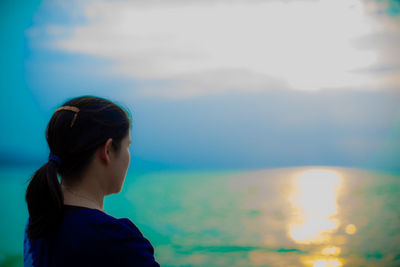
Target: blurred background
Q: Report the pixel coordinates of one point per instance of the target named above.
(265, 133)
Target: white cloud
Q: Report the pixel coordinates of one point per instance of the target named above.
(306, 45)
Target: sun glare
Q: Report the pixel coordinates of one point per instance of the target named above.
(351, 229)
(327, 263)
(315, 206)
(334, 251)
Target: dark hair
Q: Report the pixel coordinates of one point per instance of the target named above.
(97, 120)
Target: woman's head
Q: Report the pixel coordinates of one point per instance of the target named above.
(79, 133)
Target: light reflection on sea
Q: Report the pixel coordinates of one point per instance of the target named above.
(315, 216)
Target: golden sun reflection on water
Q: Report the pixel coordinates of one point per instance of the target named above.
(327, 263)
(315, 214)
(331, 251)
(315, 206)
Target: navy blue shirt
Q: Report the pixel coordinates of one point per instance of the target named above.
(90, 237)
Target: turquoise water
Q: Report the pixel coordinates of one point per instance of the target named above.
(309, 216)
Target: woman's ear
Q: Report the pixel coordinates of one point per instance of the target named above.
(106, 150)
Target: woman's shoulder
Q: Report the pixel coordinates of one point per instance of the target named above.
(116, 240)
(94, 221)
(99, 239)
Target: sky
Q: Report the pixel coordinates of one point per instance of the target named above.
(211, 84)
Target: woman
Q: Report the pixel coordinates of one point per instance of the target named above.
(89, 140)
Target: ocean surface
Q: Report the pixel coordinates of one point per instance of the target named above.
(303, 216)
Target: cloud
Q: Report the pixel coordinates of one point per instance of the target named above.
(212, 82)
(197, 47)
(384, 39)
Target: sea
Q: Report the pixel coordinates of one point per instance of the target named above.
(317, 216)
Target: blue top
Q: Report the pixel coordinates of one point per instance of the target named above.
(90, 237)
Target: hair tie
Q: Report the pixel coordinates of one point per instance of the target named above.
(54, 158)
(71, 108)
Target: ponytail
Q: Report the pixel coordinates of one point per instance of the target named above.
(45, 201)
